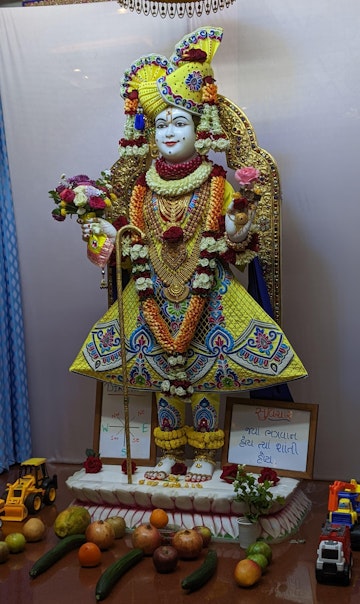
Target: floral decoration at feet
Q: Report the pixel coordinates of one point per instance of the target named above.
(93, 463)
(179, 468)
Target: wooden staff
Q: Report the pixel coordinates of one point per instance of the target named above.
(122, 340)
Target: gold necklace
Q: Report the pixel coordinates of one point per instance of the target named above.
(174, 263)
(173, 209)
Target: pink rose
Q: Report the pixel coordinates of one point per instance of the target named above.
(67, 195)
(247, 176)
(97, 203)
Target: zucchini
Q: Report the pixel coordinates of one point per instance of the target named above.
(201, 575)
(56, 553)
(115, 571)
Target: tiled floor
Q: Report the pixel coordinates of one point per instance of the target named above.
(290, 577)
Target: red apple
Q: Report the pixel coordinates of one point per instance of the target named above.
(165, 558)
(205, 533)
(146, 537)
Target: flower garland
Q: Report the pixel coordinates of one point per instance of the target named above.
(205, 440)
(180, 186)
(213, 245)
(170, 440)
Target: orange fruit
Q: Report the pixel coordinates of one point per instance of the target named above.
(89, 554)
(159, 518)
(247, 573)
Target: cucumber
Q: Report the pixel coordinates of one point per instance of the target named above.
(56, 553)
(115, 571)
(201, 575)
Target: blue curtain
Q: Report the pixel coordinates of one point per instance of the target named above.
(15, 436)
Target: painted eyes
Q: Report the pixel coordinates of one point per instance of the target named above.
(176, 124)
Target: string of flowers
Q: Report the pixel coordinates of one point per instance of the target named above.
(205, 440)
(170, 440)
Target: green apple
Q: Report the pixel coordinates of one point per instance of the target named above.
(260, 547)
(16, 542)
(260, 559)
(205, 533)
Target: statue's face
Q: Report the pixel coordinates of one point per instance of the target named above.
(175, 135)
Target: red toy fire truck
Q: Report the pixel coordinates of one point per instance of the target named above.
(334, 555)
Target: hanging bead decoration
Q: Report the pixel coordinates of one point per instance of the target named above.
(175, 8)
(103, 282)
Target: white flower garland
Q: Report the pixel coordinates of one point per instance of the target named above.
(173, 188)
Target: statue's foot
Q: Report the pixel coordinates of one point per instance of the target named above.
(200, 471)
(162, 469)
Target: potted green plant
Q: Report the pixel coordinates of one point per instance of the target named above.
(255, 492)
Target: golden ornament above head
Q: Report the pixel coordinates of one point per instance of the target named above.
(175, 8)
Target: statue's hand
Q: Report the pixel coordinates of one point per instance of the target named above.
(97, 226)
(238, 224)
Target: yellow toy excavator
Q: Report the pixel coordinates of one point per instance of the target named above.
(27, 494)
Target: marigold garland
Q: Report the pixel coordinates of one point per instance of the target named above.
(205, 440)
(136, 204)
(217, 196)
(170, 440)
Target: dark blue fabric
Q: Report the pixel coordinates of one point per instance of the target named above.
(15, 436)
(258, 290)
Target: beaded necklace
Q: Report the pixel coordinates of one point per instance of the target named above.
(176, 171)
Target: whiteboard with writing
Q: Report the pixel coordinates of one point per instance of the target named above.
(111, 425)
(277, 435)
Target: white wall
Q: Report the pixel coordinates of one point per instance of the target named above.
(293, 67)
